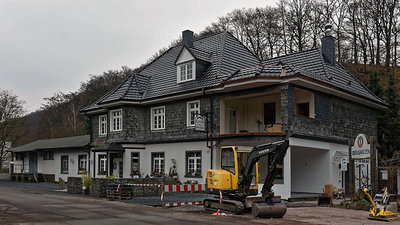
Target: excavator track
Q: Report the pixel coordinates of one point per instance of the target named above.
(236, 207)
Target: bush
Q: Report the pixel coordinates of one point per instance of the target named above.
(362, 204)
(86, 181)
(12, 178)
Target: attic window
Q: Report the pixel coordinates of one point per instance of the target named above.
(186, 71)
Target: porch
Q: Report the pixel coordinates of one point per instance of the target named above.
(257, 114)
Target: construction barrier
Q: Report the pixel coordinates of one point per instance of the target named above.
(182, 203)
(182, 188)
(185, 187)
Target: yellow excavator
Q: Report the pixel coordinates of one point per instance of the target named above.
(380, 206)
(235, 180)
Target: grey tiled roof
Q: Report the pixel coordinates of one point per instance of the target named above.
(55, 144)
(224, 53)
(228, 60)
(312, 64)
(199, 54)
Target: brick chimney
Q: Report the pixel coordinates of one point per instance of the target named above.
(187, 37)
(328, 45)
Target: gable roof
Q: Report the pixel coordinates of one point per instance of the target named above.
(55, 144)
(224, 53)
(229, 61)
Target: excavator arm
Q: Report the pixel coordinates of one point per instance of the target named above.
(276, 150)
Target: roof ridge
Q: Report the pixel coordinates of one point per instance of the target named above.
(293, 53)
(221, 57)
(129, 86)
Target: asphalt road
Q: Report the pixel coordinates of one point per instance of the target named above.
(24, 206)
(40, 204)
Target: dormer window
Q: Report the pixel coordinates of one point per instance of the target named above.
(186, 71)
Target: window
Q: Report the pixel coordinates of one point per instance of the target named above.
(269, 113)
(193, 109)
(82, 162)
(304, 103)
(64, 164)
(48, 155)
(228, 160)
(135, 163)
(157, 164)
(158, 118)
(185, 72)
(19, 156)
(103, 125)
(102, 164)
(193, 164)
(116, 120)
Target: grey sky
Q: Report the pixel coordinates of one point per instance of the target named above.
(51, 46)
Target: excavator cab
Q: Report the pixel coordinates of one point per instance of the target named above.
(233, 161)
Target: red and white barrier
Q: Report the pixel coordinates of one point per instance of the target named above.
(180, 188)
(182, 203)
(186, 187)
(146, 185)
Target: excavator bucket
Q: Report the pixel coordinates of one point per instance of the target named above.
(264, 210)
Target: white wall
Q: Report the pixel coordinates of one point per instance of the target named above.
(310, 170)
(173, 150)
(284, 190)
(54, 166)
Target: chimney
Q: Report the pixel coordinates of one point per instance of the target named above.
(187, 37)
(328, 45)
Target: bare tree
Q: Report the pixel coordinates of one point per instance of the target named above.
(11, 110)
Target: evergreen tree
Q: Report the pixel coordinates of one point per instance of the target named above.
(389, 121)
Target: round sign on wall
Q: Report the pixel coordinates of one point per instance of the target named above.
(361, 148)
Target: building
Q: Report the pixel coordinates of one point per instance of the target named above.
(61, 157)
(145, 126)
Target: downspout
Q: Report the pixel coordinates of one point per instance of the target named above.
(210, 134)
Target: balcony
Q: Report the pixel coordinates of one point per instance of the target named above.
(251, 115)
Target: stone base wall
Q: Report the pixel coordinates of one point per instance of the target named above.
(74, 185)
(98, 187)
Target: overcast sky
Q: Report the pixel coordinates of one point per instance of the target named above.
(52, 46)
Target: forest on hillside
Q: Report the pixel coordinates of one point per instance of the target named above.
(366, 32)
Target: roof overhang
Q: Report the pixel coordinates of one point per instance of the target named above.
(297, 79)
(113, 146)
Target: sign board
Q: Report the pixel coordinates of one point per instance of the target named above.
(344, 164)
(361, 148)
(199, 123)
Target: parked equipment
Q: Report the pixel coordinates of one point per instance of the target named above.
(234, 180)
(380, 206)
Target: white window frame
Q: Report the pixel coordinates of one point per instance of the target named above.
(189, 111)
(64, 164)
(102, 121)
(196, 160)
(154, 121)
(159, 159)
(185, 65)
(116, 121)
(82, 161)
(103, 160)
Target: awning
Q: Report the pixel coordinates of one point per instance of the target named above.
(113, 146)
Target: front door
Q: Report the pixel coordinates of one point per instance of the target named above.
(32, 162)
(117, 167)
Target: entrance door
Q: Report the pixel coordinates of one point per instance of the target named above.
(117, 167)
(32, 162)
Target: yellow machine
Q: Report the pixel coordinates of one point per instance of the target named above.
(379, 206)
(237, 180)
